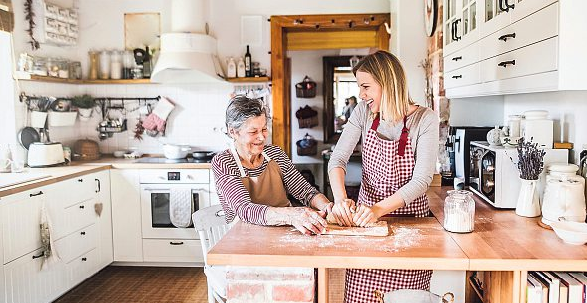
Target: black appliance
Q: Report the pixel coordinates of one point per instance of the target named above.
(458, 147)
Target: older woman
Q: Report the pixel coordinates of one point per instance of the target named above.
(253, 179)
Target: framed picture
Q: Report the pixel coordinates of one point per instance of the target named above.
(430, 12)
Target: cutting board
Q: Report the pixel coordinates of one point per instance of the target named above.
(378, 229)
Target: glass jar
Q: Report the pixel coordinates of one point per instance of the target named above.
(94, 65)
(75, 70)
(116, 65)
(63, 68)
(105, 65)
(52, 67)
(459, 211)
(128, 63)
(40, 66)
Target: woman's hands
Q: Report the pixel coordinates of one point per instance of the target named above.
(343, 211)
(347, 213)
(306, 220)
(364, 216)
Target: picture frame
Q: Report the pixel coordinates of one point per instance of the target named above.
(430, 15)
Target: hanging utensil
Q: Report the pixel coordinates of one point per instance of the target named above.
(27, 136)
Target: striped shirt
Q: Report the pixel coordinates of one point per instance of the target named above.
(235, 198)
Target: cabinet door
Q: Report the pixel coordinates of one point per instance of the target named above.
(82, 267)
(524, 8)
(27, 283)
(450, 16)
(126, 215)
(214, 199)
(20, 218)
(496, 15)
(102, 183)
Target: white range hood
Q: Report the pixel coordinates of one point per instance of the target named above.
(187, 54)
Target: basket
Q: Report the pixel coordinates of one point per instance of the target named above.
(307, 146)
(307, 117)
(306, 88)
(86, 150)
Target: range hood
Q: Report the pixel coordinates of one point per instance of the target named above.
(188, 54)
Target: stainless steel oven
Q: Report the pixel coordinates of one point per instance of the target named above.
(158, 188)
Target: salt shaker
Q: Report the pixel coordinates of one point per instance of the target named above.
(459, 211)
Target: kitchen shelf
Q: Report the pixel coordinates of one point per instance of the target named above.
(27, 77)
(249, 80)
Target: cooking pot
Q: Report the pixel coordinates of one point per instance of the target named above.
(176, 151)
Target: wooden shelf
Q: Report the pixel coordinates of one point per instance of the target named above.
(73, 81)
(249, 80)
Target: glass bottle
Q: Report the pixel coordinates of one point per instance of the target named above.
(459, 211)
(116, 65)
(94, 65)
(248, 64)
(240, 68)
(105, 65)
(128, 62)
(147, 64)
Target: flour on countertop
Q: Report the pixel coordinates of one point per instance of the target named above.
(402, 238)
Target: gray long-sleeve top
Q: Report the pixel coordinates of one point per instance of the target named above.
(424, 134)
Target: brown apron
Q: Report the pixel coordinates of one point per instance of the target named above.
(267, 188)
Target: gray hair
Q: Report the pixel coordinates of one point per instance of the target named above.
(241, 108)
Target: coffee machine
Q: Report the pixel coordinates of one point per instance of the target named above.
(458, 147)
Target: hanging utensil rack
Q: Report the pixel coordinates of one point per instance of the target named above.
(106, 103)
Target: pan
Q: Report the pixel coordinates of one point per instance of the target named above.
(27, 136)
(203, 155)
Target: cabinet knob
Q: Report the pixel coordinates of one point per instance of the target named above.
(506, 63)
(83, 233)
(457, 76)
(176, 243)
(80, 180)
(84, 259)
(505, 37)
(37, 194)
(82, 207)
(457, 58)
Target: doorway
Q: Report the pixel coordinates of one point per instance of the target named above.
(315, 32)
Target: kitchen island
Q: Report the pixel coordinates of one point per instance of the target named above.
(503, 244)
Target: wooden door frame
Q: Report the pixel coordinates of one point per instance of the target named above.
(321, 25)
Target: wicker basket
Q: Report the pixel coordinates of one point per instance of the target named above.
(307, 146)
(307, 117)
(86, 150)
(306, 88)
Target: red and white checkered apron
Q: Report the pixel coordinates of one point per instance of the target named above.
(387, 166)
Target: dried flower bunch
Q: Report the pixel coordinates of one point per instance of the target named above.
(530, 160)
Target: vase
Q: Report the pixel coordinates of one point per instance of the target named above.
(528, 200)
(85, 113)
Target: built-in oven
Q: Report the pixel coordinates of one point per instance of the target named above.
(164, 192)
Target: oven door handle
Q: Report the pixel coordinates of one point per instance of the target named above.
(157, 189)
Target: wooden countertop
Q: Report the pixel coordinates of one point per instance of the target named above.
(80, 168)
(502, 241)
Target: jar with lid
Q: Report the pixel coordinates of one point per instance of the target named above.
(128, 62)
(63, 68)
(105, 65)
(94, 65)
(514, 123)
(75, 70)
(52, 67)
(116, 65)
(459, 211)
(40, 66)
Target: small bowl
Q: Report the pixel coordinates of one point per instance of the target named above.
(571, 232)
(119, 153)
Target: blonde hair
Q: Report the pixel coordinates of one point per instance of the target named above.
(388, 72)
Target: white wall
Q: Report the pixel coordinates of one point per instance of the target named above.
(8, 134)
(570, 104)
(201, 108)
(409, 43)
(479, 111)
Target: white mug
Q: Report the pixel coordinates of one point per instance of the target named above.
(5, 165)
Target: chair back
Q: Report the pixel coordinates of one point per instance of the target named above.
(210, 223)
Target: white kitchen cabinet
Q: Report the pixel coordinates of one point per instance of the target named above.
(2, 288)
(27, 283)
(102, 189)
(126, 215)
(533, 46)
(82, 267)
(173, 250)
(460, 24)
(214, 200)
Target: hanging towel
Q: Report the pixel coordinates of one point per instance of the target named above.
(50, 255)
(157, 119)
(180, 207)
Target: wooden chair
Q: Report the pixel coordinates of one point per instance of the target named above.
(210, 224)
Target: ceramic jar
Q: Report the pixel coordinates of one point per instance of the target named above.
(494, 136)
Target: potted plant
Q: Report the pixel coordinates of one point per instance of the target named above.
(85, 105)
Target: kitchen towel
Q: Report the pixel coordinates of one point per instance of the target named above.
(157, 119)
(50, 255)
(180, 207)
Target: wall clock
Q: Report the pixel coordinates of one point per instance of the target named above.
(430, 12)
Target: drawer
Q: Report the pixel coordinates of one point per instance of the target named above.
(172, 250)
(533, 59)
(77, 243)
(467, 56)
(525, 8)
(521, 33)
(80, 215)
(82, 267)
(74, 190)
(464, 76)
(178, 176)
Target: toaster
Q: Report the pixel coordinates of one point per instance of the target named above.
(45, 154)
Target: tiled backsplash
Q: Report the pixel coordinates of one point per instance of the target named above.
(197, 120)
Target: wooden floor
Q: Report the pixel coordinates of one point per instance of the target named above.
(141, 284)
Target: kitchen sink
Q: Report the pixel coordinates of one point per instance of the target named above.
(11, 179)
